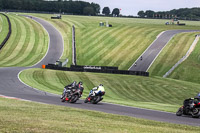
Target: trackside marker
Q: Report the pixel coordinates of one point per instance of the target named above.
(43, 66)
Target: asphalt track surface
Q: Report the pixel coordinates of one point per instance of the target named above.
(12, 87)
(144, 62)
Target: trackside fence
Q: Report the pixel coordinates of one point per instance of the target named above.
(96, 69)
(9, 32)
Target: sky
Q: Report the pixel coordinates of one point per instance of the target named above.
(131, 7)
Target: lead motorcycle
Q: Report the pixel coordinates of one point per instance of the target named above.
(72, 95)
(191, 107)
(96, 98)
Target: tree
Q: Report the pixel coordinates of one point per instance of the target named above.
(141, 14)
(96, 7)
(88, 11)
(116, 12)
(149, 13)
(106, 11)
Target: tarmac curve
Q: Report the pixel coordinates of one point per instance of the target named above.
(11, 86)
(144, 62)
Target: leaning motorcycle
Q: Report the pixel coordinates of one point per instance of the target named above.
(71, 96)
(95, 99)
(191, 107)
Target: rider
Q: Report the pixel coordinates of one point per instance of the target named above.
(69, 87)
(80, 86)
(96, 90)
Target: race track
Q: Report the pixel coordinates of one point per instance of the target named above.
(11, 86)
(149, 56)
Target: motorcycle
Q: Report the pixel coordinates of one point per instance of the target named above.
(191, 107)
(72, 95)
(95, 99)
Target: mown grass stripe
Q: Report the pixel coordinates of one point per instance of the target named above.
(116, 37)
(103, 46)
(23, 45)
(1, 23)
(123, 46)
(135, 47)
(39, 46)
(95, 38)
(4, 28)
(11, 44)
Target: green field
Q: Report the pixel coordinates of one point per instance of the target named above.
(189, 70)
(118, 46)
(27, 44)
(3, 28)
(153, 93)
(24, 117)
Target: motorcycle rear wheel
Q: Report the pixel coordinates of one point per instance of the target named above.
(96, 100)
(179, 112)
(86, 100)
(74, 99)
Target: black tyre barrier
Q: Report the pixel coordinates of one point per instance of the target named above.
(97, 69)
(9, 32)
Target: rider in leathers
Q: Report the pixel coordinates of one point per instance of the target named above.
(68, 87)
(96, 90)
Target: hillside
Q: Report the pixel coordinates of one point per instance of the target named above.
(146, 92)
(27, 44)
(119, 45)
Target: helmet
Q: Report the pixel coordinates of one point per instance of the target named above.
(80, 82)
(101, 85)
(74, 83)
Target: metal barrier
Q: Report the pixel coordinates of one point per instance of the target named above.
(96, 69)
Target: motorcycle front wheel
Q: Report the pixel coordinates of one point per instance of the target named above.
(195, 113)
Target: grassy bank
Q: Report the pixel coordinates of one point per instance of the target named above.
(189, 69)
(3, 28)
(118, 46)
(172, 53)
(154, 93)
(28, 43)
(20, 116)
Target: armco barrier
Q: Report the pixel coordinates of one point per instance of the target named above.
(9, 32)
(97, 69)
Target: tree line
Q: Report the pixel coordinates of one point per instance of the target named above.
(71, 7)
(182, 13)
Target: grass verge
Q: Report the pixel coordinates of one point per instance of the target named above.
(145, 92)
(21, 116)
(27, 45)
(4, 28)
(172, 53)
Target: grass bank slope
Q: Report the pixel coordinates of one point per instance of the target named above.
(119, 45)
(189, 70)
(172, 53)
(28, 43)
(20, 116)
(3, 28)
(154, 93)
